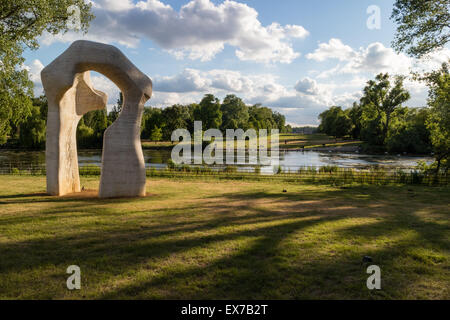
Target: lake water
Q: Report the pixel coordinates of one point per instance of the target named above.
(289, 160)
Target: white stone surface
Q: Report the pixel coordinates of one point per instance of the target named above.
(70, 94)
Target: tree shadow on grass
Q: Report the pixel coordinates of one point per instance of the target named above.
(263, 271)
(275, 260)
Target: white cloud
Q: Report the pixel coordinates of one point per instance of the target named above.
(375, 58)
(334, 49)
(301, 103)
(100, 82)
(199, 30)
(113, 5)
(187, 81)
(307, 86)
(218, 81)
(356, 67)
(432, 61)
(34, 72)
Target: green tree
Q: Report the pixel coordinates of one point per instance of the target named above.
(152, 117)
(32, 130)
(408, 132)
(156, 134)
(208, 111)
(21, 23)
(174, 117)
(16, 89)
(355, 115)
(234, 113)
(261, 117)
(438, 122)
(423, 26)
(335, 122)
(91, 128)
(85, 136)
(280, 121)
(383, 98)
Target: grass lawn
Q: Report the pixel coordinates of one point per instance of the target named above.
(216, 239)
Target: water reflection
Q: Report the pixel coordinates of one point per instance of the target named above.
(289, 160)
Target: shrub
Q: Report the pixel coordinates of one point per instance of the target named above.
(230, 169)
(170, 164)
(279, 170)
(329, 169)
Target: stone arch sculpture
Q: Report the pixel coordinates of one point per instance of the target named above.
(70, 94)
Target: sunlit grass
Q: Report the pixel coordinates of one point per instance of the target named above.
(212, 239)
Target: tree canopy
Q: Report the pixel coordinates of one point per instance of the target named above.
(438, 122)
(423, 26)
(384, 97)
(21, 23)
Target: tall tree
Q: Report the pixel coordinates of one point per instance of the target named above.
(261, 117)
(174, 117)
(423, 26)
(335, 122)
(355, 114)
(408, 132)
(234, 113)
(438, 122)
(21, 23)
(280, 121)
(209, 112)
(384, 98)
(32, 130)
(16, 89)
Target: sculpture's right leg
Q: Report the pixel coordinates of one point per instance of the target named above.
(123, 166)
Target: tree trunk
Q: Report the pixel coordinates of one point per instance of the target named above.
(386, 127)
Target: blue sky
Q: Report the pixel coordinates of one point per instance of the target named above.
(296, 56)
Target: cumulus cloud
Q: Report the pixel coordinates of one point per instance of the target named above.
(373, 59)
(432, 61)
(34, 71)
(307, 86)
(218, 80)
(356, 66)
(199, 30)
(100, 82)
(334, 49)
(187, 81)
(301, 103)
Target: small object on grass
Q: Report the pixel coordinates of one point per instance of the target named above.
(284, 190)
(82, 189)
(367, 259)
